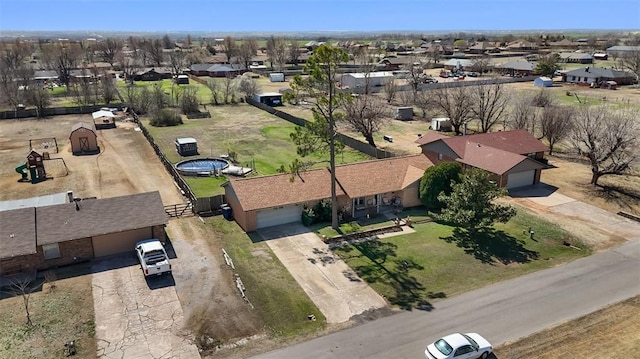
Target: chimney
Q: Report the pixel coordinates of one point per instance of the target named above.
(70, 196)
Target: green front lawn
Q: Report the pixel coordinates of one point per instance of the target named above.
(438, 261)
(168, 87)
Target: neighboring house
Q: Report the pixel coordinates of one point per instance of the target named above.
(217, 70)
(152, 74)
(37, 238)
(598, 75)
(362, 188)
(516, 68)
(563, 44)
(522, 45)
(622, 50)
(482, 47)
(394, 63)
(459, 64)
(516, 158)
(84, 140)
(576, 57)
(45, 76)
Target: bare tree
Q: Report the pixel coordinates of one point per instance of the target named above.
(15, 75)
(167, 43)
(176, 60)
(294, 53)
(489, 104)
(455, 103)
(247, 51)
(607, 139)
(81, 89)
(214, 87)
(365, 114)
(555, 124)
(23, 288)
(63, 57)
(229, 47)
(390, 91)
(277, 52)
(109, 50)
(38, 97)
(416, 76)
(153, 50)
(188, 100)
(228, 90)
(109, 91)
(631, 61)
(523, 114)
(481, 65)
(246, 85)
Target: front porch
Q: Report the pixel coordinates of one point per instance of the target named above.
(370, 206)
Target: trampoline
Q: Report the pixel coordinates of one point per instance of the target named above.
(202, 167)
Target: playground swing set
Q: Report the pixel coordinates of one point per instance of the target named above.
(32, 170)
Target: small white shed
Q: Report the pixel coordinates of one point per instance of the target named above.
(441, 124)
(543, 81)
(276, 77)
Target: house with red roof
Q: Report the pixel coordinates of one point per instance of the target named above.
(516, 158)
(368, 188)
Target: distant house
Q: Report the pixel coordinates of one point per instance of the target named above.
(563, 44)
(522, 45)
(621, 50)
(543, 82)
(45, 76)
(576, 57)
(516, 68)
(394, 63)
(152, 74)
(459, 64)
(482, 47)
(217, 70)
(597, 75)
(516, 158)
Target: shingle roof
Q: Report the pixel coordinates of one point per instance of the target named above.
(598, 72)
(62, 222)
(17, 232)
(278, 190)
(81, 125)
(489, 158)
(575, 56)
(521, 65)
(45, 75)
(381, 176)
(429, 137)
(514, 141)
(355, 180)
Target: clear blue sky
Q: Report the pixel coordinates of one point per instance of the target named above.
(317, 15)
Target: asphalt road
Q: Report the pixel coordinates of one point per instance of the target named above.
(501, 312)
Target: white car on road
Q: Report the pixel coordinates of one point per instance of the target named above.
(153, 258)
(459, 346)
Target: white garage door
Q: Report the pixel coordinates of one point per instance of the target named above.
(521, 179)
(275, 216)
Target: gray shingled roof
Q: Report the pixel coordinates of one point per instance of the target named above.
(598, 72)
(59, 223)
(17, 232)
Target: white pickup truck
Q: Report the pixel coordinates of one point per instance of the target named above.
(153, 258)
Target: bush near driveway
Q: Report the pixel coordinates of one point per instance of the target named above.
(435, 262)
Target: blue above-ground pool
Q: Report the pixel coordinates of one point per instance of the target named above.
(201, 167)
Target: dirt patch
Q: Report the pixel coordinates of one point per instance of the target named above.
(214, 309)
(615, 329)
(125, 165)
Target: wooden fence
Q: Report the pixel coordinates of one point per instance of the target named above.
(348, 141)
(55, 111)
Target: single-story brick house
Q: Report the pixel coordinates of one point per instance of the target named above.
(516, 158)
(152, 74)
(37, 238)
(362, 188)
(217, 70)
(597, 75)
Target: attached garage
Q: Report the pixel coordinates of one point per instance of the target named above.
(120, 242)
(280, 215)
(521, 179)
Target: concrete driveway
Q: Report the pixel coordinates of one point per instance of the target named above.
(137, 317)
(330, 283)
(578, 213)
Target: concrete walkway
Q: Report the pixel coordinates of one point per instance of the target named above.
(331, 284)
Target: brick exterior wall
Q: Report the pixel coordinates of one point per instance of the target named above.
(81, 249)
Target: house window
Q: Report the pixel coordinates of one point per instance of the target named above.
(51, 251)
(359, 202)
(573, 78)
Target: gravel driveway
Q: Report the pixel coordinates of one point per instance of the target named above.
(137, 317)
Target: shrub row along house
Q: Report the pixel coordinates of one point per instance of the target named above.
(57, 230)
(515, 158)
